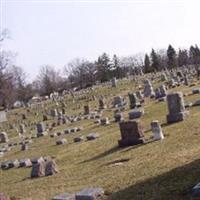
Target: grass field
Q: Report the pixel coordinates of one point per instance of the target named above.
(161, 170)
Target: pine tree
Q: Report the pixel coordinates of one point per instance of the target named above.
(155, 61)
(183, 57)
(172, 58)
(147, 66)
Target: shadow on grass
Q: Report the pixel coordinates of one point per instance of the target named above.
(106, 153)
(173, 185)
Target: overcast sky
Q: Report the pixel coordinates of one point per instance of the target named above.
(55, 32)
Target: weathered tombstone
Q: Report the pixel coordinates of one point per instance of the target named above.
(90, 194)
(176, 107)
(86, 110)
(104, 121)
(51, 167)
(13, 163)
(148, 89)
(118, 101)
(134, 114)
(133, 100)
(54, 113)
(196, 190)
(22, 128)
(132, 133)
(163, 90)
(3, 137)
(62, 141)
(45, 118)
(25, 162)
(3, 117)
(92, 136)
(163, 77)
(79, 139)
(41, 129)
(186, 80)
(23, 116)
(114, 82)
(118, 117)
(24, 147)
(102, 104)
(157, 130)
(64, 196)
(38, 169)
(139, 95)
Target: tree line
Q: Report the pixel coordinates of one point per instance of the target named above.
(82, 73)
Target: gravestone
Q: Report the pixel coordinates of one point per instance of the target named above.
(86, 110)
(148, 89)
(64, 196)
(132, 133)
(118, 117)
(134, 114)
(38, 169)
(114, 82)
(41, 129)
(157, 130)
(22, 129)
(176, 107)
(133, 100)
(51, 168)
(3, 137)
(90, 194)
(54, 113)
(3, 117)
(102, 104)
(118, 101)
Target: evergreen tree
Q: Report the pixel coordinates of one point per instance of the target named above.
(104, 67)
(183, 58)
(147, 66)
(116, 66)
(155, 61)
(172, 59)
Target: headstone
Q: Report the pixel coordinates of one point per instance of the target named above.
(104, 121)
(90, 194)
(22, 128)
(92, 136)
(79, 139)
(38, 169)
(62, 141)
(102, 104)
(64, 196)
(114, 82)
(132, 133)
(157, 130)
(163, 91)
(176, 107)
(148, 89)
(24, 147)
(41, 129)
(196, 190)
(86, 110)
(133, 100)
(54, 113)
(3, 117)
(118, 101)
(118, 117)
(3, 137)
(134, 114)
(51, 168)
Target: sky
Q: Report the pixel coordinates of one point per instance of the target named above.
(55, 32)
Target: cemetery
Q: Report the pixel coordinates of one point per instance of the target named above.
(136, 138)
